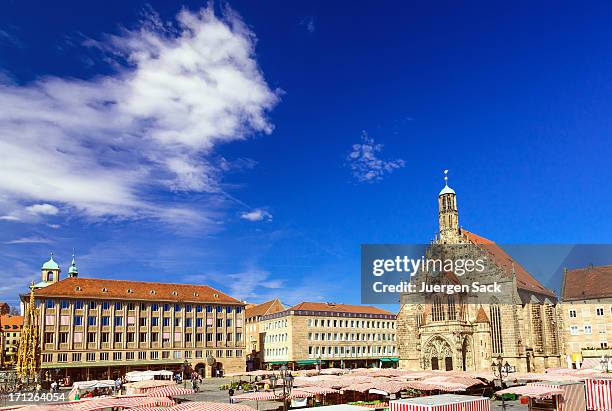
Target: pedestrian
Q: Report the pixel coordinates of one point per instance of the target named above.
(118, 386)
(231, 394)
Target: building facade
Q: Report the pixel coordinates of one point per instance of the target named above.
(10, 333)
(587, 315)
(97, 328)
(465, 331)
(253, 316)
(313, 334)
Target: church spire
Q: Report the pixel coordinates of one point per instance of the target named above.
(448, 214)
(73, 271)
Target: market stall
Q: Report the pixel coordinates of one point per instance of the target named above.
(144, 386)
(133, 376)
(599, 393)
(540, 397)
(81, 387)
(444, 402)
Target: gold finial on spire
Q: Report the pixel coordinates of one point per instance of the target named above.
(446, 177)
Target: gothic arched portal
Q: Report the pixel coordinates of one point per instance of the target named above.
(437, 354)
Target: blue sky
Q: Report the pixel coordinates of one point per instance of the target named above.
(255, 146)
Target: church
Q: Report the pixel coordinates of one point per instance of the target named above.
(469, 331)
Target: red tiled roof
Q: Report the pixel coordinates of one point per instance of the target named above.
(11, 321)
(269, 307)
(524, 280)
(343, 308)
(79, 287)
(587, 283)
(481, 316)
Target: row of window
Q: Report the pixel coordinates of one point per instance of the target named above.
(351, 350)
(105, 320)
(130, 337)
(586, 312)
(588, 329)
(350, 337)
(131, 306)
(351, 323)
(137, 355)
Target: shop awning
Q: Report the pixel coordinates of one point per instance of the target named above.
(307, 362)
(389, 359)
(276, 362)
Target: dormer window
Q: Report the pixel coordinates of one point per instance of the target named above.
(77, 288)
(152, 291)
(174, 293)
(104, 290)
(130, 291)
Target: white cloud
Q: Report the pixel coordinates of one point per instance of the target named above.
(107, 146)
(29, 240)
(42, 209)
(364, 162)
(256, 215)
(9, 218)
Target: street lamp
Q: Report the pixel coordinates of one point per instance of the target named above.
(501, 370)
(287, 378)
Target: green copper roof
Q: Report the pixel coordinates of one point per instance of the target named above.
(50, 265)
(73, 268)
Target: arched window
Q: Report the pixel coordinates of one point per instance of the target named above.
(452, 314)
(438, 309)
(496, 329)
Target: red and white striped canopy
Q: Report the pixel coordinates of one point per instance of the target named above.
(258, 396)
(307, 392)
(94, 404)
(169, 391)
(445, 402)
(599, 394)
(200, 406)
(533, 391)
(436, 386)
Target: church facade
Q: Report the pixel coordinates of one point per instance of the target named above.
(468, 331)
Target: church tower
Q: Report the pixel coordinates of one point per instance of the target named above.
(447, 214)
(50, 271)
(73, 271)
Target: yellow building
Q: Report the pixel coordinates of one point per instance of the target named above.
(10, 332)
(97, 328)
(587, 315)
(313, 334)
(253, 316)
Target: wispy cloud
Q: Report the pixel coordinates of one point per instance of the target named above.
(308, 23)
(29, 240)
(365, 164)
(116, 142)
(10, 38)
(256, 215)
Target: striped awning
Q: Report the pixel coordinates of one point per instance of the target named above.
(201, 406)
(307, 392)
(258, 396)
(169, 391)
(93, 404)
(533, 391)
